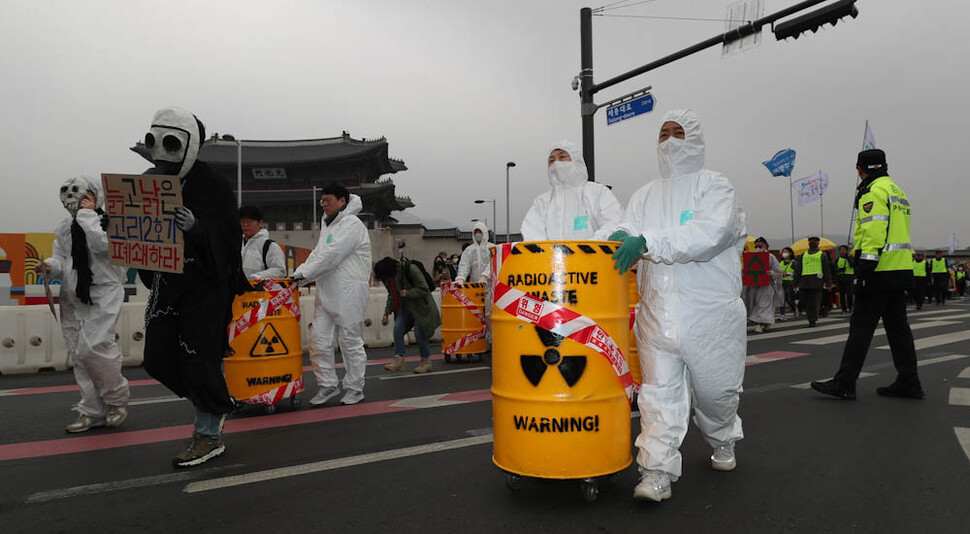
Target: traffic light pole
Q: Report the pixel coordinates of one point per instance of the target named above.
(587, 88)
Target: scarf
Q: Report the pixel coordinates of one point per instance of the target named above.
(82, 263)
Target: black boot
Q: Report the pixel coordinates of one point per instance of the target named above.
(835, 389)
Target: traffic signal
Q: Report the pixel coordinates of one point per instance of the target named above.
(830, 14)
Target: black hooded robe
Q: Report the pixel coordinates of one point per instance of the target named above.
(187, 315)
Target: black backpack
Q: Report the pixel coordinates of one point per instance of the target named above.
(406, 263)
(266, 245)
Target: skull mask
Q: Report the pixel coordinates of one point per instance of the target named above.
(175, 137)
(72, 192)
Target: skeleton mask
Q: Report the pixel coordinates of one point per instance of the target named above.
(72, 192)
(175, 137)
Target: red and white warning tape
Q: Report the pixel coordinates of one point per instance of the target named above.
(280, 298)
(560, 320)
(454, 290)
(277, 394)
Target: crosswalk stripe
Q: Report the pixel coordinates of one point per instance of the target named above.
(807, 385)
(965, 373)
(432, 373)
(940, 359)
(960, 396)
(936, 341)
(946, 317)
(839, 338)
(963, 436)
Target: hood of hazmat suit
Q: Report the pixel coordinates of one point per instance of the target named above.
(574, 208)
(476, 260)
(340, 264)
(175, 137)
(690, 321)
(89, 329)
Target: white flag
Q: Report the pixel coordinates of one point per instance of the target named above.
(954, 244)
(869, 142)
(811, 188)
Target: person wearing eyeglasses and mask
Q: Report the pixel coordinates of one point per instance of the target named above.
(686, 231)
(574, 208)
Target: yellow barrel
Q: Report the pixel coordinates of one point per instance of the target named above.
(266, 356)
(633, 356)
(558, 408)
(457, 321)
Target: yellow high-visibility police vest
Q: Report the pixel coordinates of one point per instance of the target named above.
(939, 266)
(919, 268)
(844, 264)
(811, 263)
(787, 269)
(882, 226)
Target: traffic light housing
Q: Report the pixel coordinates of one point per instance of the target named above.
(830, 14)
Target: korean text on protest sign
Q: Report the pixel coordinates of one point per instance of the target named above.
(141, 230)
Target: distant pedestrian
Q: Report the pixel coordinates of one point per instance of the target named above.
(941, 278)
(787, 265)
(959, 273)
(845, 272)
(453, 265)
(919, 279)
(440, 272)
(813, 273)
(409, 299)
(475, 263)
(761, 301)
(884, 270)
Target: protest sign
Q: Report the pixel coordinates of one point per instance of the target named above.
(756, 269)
(141, 221)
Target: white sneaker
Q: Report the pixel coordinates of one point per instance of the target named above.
(760, 329)
(323, 395)
(352, 397)
(723, 458)
(654, 485)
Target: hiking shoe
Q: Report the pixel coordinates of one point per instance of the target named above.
(396, 365)
(352, 396)
(654, 485)
(759, 329)
(201, 449)
(84, 423)
(323, 395)
(833, 388)
(424, 366)
(894, 390)
(723, 458)
(116, 416)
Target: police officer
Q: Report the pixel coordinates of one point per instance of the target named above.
(788, 280)
(919, 279)
(813, 273)
(844, 267)
(941, 278)
(884, 270)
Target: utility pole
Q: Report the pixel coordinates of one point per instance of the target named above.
(586, 92)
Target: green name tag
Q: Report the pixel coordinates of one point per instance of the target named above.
(685, 216)
(581, 222)
(329, 238)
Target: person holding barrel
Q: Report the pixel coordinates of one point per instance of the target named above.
(574, 208)
(686, 230)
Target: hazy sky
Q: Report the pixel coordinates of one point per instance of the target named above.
(460, 87)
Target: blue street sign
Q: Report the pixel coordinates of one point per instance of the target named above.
(629, 109)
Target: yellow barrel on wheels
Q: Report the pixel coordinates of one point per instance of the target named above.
(558, 407)
(266, 365)
(458, 322)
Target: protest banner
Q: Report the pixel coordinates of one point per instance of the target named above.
(757, 271)
(141, 221)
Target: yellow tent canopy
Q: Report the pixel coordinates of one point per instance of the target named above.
(801, 245)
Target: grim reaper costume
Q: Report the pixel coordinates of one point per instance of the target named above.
(187, 314)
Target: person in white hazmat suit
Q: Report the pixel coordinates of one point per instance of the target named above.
(340, 265)
(476, 260)
(687, 231)
(574, 208)
(91, 296)
(261, 256)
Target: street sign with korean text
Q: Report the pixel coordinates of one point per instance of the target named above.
(757, 271)
(629, 109)
(141, 221)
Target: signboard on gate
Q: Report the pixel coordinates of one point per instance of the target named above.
(141, 221)
(757, 269)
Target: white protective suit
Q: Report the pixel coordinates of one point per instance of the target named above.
(252, 257)
(476, 260)
(89, 329)
(690, 321)
(340, 265)
(574, 208)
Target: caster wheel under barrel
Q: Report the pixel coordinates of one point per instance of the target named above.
(589, 489)
(270, 408)
(295, 402)
(447, 358)
(513, 481)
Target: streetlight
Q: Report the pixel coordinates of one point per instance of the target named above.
(508, 166)
(494, 220)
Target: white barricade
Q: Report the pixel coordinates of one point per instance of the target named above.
(30, 340)
(131, 333)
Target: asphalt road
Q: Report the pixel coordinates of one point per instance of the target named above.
(416, 455)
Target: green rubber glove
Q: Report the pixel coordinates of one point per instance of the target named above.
(629, 252)
(618, 235)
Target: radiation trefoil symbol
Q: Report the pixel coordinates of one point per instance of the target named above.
(269, 343)
(570, 367)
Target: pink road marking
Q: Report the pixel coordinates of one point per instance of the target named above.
(150, 382)
(53, 447)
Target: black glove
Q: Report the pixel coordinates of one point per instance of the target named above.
(865, 271)
(104, 218)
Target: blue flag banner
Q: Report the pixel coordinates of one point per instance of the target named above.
(782, 163)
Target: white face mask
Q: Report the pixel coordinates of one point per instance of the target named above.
(672, 154)
(566, 173)
(785, 255)
(478, 237)
(759, 249)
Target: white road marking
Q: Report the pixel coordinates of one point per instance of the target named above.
(936, 341)
(960, 396)
(808, 385)
(965, 373)
(91, 489)
(940, 359)
(797, 331)
(432, 373)
(337, 463)
(946, 317)
(429, 401)
(840, 338)
(155, 400)
(963, 436)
